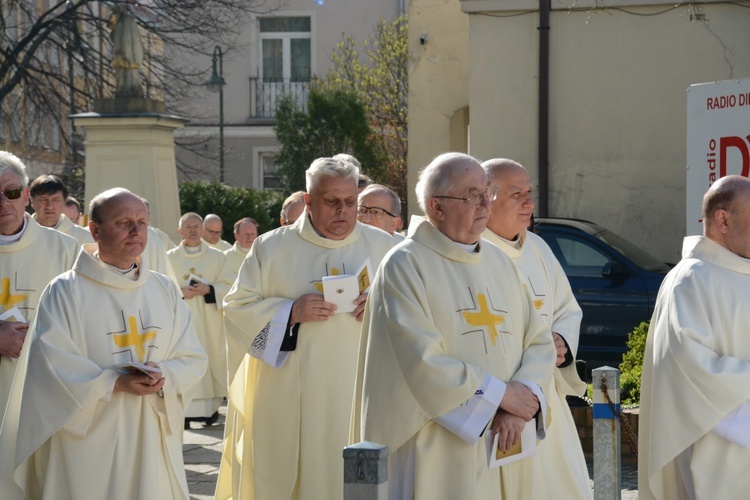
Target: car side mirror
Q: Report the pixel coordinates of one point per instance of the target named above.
(614, 270)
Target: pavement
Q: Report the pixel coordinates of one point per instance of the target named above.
(202, 453)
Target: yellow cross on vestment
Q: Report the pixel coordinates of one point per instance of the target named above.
(538, 304)
(193, 272)
(319, 284)
(134, 338)
(8, 299)
(485, 318)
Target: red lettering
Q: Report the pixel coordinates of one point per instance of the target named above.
(741, 145)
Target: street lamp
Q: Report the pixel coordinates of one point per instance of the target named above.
(216, 84)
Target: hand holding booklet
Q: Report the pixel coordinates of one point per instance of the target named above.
(523, 448)
(13, 314)
(139, 368)
(344, 288)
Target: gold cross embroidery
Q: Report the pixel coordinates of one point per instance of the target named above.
(485, 318)
(134, 338)
(8, 299)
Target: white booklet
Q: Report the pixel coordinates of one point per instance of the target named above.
(193, 279)
(13, 314)
(524, 447)
(344, 288)
(139, 368)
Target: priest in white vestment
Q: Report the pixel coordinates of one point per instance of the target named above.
(559, 461)
(30, 257)
(290, 401)
(452, 350)
(245, 233)
(87, 427)
(48, 195)
(212, 229)
(380, 207)
(198, 268)
(292, 208)
(694, 427)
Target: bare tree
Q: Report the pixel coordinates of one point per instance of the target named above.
(56, 60)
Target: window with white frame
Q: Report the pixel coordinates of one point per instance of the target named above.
(268, 170)
(285, 49)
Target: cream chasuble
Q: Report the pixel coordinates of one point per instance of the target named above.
(157, 255)
(234, 256)
(696, 370)
(166, 241)
(81, 234)
(437, 321)
(220, 245)
(287, 426)
(75, 437)
(559, 460)
(207, 264)
(26, 267)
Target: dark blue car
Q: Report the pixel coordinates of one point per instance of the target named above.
(614, 281)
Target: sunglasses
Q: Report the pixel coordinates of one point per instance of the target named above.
(12, 194)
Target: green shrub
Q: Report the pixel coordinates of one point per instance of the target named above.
(231, 204)
(632, 366)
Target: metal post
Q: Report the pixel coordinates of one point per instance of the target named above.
(366, 471)
(216, 84)
(607, 482)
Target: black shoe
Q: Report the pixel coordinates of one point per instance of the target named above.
(212, 419)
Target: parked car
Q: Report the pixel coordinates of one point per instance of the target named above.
(614, 281)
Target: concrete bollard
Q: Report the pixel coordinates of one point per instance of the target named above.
(366, 471)
(607, 481)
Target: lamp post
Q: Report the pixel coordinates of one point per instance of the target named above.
(216, 84)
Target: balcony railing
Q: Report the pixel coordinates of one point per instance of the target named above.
(265, 96)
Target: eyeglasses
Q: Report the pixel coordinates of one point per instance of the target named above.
(12, 194)
(475, 199)
(376, 212)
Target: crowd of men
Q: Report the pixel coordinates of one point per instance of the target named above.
(462, 337)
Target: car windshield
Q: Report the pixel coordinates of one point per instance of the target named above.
(633, 252)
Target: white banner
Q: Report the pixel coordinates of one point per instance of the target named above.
(718, 140)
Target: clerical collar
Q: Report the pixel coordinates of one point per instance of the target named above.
(130, 273)
(7, 240)
(192, 249)
(515, 243)
(57, 224)
(470, 248)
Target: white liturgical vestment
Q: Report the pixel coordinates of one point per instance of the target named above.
(66, 226)
(437, 322)
(559, 463)
(205, 263)
(76, 438)
(234, 257)
(26, 267)
(288, 414)
(696, 372)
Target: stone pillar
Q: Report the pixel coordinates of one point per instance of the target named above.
(131, 144)
(366, 471)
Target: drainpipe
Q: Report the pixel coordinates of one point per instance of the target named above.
(543, 134)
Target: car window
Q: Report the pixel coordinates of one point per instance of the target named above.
(580, 259)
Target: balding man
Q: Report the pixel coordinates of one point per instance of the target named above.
(245, 233)
(90, 424)
(695, 392)
(292, 208)
(212, 229)
(450, 353)
(559, 462)
(198, 268)
(380, 207)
